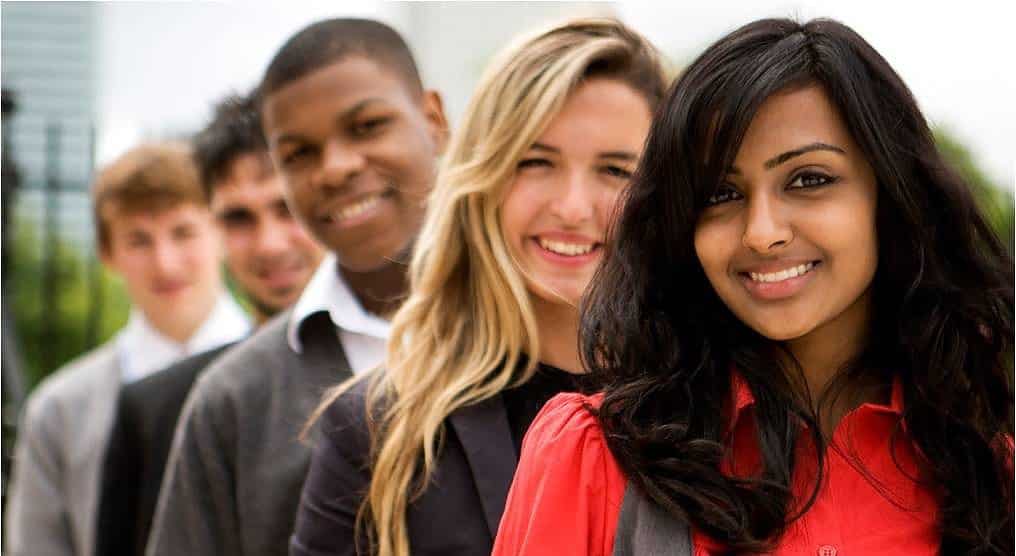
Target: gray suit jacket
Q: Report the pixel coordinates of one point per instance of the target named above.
(235, 470)
(61, 443)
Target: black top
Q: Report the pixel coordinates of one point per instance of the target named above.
(523, 403)
(139, 443)
(459, 511)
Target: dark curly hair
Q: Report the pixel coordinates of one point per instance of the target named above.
(664, 345)
(235, 130)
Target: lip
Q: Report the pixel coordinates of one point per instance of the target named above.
(568, 261)
(281, 277)
(326, 216)
(169, 288)
(774, 291)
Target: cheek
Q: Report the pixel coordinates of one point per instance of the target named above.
(516, 213)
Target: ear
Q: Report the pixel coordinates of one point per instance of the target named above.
(105, 256)
(433, 110)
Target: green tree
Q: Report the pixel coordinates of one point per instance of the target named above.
(996, 201)
(88, 304)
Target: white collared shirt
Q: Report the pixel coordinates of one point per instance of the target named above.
(363, 335)
(143, 350)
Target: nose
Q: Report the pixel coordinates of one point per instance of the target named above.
(339, 163)
(767, 229)
(271, 236)
(167, 257)
(574, 204)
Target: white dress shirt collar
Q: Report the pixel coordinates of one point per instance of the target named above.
(328, 292)
(143, 350)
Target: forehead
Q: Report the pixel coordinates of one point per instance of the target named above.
(600, 115)
(246, 170)
(153, 220)
(789, 119)
(326, 93)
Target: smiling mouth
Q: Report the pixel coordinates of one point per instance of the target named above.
(565, 248)
(352, 211)
(782, 275)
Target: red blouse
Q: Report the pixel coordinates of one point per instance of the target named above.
(568, 489)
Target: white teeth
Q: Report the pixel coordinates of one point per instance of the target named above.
(562, 248)
(356, 209)
(782, 275)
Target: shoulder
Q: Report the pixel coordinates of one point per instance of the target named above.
(566, 440)
(77, 382)
(566, 420)
(180, 374)
(567, 469)
(347, 415)
(246, 368)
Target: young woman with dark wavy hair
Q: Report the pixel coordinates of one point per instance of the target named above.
(804, 328)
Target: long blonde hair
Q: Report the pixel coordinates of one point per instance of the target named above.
(463, 331)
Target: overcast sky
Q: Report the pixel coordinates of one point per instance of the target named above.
(163, 64)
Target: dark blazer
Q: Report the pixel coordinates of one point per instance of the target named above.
(458, 514)
(237, 464)
(147, 411)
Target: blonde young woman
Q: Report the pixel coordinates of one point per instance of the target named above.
(419, 458)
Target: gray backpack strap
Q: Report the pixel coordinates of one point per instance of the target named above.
(644, 529)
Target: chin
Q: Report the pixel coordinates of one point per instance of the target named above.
(781, 332)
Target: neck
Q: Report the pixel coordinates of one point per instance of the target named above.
(379, 291)
(825, 352)
(558, 325)
(181, 328)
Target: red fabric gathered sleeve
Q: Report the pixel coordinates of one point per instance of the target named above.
(567, 491)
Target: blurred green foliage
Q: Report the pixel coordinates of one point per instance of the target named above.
(82, 285)
(85, 296)
(997, 202)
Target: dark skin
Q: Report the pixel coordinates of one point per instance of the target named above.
(356, 144)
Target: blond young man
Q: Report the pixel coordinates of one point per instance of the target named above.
(154, 230)
(270, 257)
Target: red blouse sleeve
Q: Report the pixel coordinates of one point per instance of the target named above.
(567, 491)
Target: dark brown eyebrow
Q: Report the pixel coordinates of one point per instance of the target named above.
(780, 159)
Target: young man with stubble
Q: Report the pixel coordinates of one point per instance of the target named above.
(270, 257)
(155, 231)
(356, 138)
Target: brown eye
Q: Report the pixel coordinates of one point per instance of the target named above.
(296, 155)
(533, 163)
(724, 194)
(806, 180)
(369, 126)
(617, 172)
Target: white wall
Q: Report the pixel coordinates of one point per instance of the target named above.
(162, 64)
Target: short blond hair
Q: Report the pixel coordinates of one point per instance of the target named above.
(149, 177)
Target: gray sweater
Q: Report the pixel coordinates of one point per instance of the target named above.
(61, 442)
(235, 471)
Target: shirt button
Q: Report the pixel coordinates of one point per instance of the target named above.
(827, 550)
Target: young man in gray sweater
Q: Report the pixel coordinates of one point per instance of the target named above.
(356, 138)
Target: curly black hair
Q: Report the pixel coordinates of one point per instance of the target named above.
(664, 345)
(235, 130)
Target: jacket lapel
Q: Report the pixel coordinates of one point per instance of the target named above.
(322, 349)
(486, 438)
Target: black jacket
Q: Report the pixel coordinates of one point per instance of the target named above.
(146, 415)
(458, 514)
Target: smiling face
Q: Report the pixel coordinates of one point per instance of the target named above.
(268, 252)
(789, 242)
(169, 261)
(556, 211)
(356, 147)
